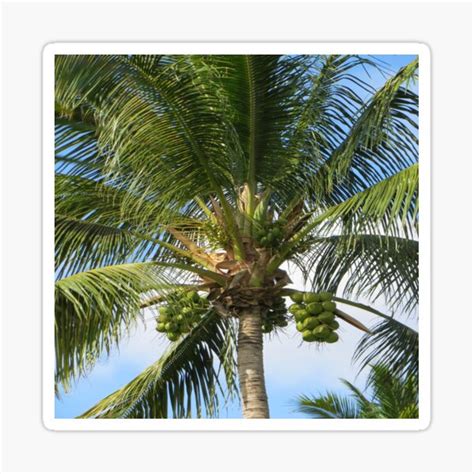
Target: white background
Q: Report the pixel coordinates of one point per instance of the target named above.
(445, 27)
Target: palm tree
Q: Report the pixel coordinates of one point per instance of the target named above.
(392, 397)
(391, 351)
(198, 178)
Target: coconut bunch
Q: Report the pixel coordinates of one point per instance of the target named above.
(275, 317)
(271, 234)
(179, 312)
(315, 317)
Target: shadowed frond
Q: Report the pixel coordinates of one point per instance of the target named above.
(397, 396)
(373, 266)
(382, 141)
(183, 381)
(392, 344)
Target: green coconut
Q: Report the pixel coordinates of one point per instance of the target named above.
(297, 297)
(171, 326)
(301, 315)
(325, 296)
(326, 317)
(164, 318)
(308, 336)
(311, 323)
(266, 327)
(187, 311)
(329, 306)
(172, 336)
(315, 308)
(277, 233)
(310, 298)
(321, 331)
(281, 323)
(294, 308)
(160, 327)
(333, 325)
(300, 326)
(332, 337)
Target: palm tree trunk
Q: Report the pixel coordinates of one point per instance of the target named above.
(250, 365)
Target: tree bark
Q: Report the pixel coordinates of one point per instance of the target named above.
(250, 365)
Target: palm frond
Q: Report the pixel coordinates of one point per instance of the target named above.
(374, 266)
(330, 405)
(392, 344)
(95, 309)
(381, 142)
(389, 208)
(183, 381)
(82, 245)
(397, 396)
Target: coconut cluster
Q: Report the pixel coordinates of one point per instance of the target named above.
(314, 316)
(272, 235)
(180, 312)
(275, 317)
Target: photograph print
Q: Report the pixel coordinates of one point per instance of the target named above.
(236, 236)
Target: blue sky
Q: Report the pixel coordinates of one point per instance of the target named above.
(291, 368)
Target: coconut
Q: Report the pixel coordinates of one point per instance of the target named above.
(315, 308)
(301, 315)
(266, 327)
(310, 298)
(160, 327)
(307, 334)
(331, 338)
(300, 326)
(333, 325)
(163, 318)
(311, 323)
(276, 233)
(326, 317)
(325, 296)
(164, 310)
(294, 308)
(297, 297)
(321, 331)
(172, 336)
(329, 306)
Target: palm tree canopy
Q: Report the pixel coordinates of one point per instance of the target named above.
(167, 167)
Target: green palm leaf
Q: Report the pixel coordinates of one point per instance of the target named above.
(94, 310)
(392, 344)
(374, 266)
(330, 405)
(184, 380)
